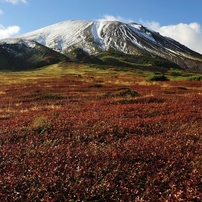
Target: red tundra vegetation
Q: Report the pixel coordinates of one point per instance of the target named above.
(100, 137)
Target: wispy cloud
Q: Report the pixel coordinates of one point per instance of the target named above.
(16, 1)
(189, 35)
(1, 12)
(114, 18)
(6, 32)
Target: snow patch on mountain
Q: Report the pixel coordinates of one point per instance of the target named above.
(59, 36)
(141, 31)
(19, 41)
(96, 31)
(14, 45)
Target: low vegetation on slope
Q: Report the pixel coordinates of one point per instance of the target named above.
(116, 58)
(73, 133)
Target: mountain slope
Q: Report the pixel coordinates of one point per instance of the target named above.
(24, 54)
(129, 38)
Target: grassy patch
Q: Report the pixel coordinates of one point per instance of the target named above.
(41, 124)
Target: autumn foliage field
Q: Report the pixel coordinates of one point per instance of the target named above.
(84, 134)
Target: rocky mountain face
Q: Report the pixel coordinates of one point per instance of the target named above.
(57, 41)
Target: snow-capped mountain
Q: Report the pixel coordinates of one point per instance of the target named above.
(97, 36)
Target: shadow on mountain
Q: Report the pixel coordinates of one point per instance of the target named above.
(17, 57)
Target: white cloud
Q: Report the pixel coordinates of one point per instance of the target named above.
(189, 35)
(16, 1)
(6, 32)
(1, 12)
(113, 18)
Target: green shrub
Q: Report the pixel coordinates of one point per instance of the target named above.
(158, 78)
(176, 73)
(194, 78)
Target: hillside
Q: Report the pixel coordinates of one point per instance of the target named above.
(25, 55)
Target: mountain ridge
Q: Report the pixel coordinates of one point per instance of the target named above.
(98, 36)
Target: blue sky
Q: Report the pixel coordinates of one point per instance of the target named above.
(179, 19)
